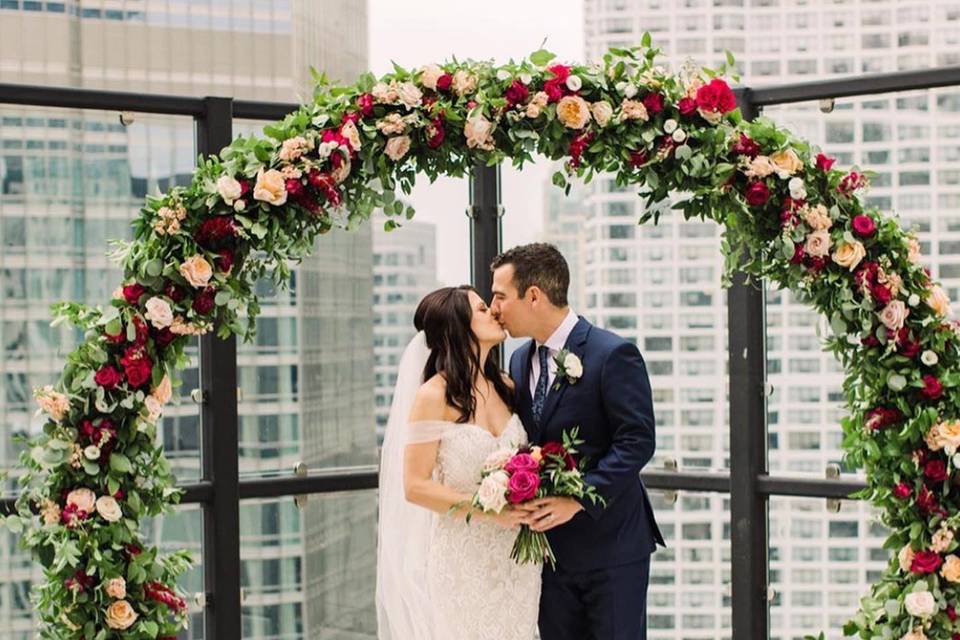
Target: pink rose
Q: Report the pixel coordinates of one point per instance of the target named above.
(522, 462)
(523, 486)
(864, 226)
(716, 97)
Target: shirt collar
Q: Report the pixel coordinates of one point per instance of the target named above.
(559, 337)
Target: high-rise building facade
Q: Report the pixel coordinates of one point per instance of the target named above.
(661, 287)
(72, 180)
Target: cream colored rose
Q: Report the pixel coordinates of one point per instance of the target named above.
(573, 366)
(53, 403)
(292, 148)
(83, 499)
(573, 112)
(158, 312)
(117, 588)
(905, 558)
(818, 244)
(479, 133)
(397, 147)
(120, 615)
(633, 110)
(109, 508)
(920, 604)
(154, 409)
(941, 540)
(787, 162)
(913, 250)
(574, 83)
(118, 293)
(492, 494)
(228, 188)
(350, 132)
(463, 83)
(938, 300)
(163, 391)
(537, 104)
(429, 75)
(798, 190)
(602, 112)
(197, 271)
(759, 167)
(409, 94)
(270, 187)
(391, 124)
(894, 315)
(849, 254)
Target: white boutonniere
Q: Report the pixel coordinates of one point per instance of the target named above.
(568, 366)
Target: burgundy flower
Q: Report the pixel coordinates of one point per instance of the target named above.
(72, 516)
(553, 90)
(816, 264)
(165, 336)
(133, 550)
(824, 163)
(653, 102)
(444, 82)
(798, 254)
(908, 347)
(952, 614)
(215, 231)
(225, 260)
(556, 87)
(881, 294)
(902, 490)
(870, 341)
(757, 194)
(523, 486)
(365, 104)
(851, 182)
(788, 219)
(932, 387)
(137, 366)
(204, 303)
(577, 146)
(935, 470)
(516, 93)
(926, 562)
(746, 146)
(638, 157)
(687, 107)
(350, 116)
(119, 338)
(557, 449)
(716, 96)
(108, 378)
(435, 132)
(881, 417)
(79, 583)
(926, 501)
(174, 292)
(863, 225)
(521, 462)
(295, 187)
(132, 293)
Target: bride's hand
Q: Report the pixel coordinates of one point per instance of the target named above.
(509, 517)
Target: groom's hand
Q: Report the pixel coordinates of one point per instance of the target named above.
(548, 513)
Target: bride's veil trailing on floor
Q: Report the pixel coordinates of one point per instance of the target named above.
(403, 533)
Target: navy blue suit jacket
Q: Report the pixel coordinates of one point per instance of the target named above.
(612, 405)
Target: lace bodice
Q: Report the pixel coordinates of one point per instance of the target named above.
(465, 447)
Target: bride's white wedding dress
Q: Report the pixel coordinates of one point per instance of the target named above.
(476, 591)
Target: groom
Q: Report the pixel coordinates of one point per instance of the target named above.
(598, 589)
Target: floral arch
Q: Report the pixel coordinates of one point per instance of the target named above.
(788, 215)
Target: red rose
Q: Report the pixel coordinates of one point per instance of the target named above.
(757, 194)
(638, 157)
(523, 486)
(204, 303)
(935, 470)
(365, 104)
(132, 293)
(926, 562)
(517, 93)
(577, 146)
(863, 225)
(142, 330)
(932, 388)
(824, 163)
(716, 96)
(444, 82)
(653, 102)
(687, 106)
(746, 146)
(521, 462)
(560, 72)
(926, 501)
(108, 378)
(119, 495)
(902, 490)
(137, 367)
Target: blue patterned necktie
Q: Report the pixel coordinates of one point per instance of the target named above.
(542, 382)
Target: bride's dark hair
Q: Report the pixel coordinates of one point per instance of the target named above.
(444, 316)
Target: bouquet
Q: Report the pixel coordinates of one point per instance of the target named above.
(516, 476)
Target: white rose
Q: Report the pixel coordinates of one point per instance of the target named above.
(670, 126)
(158, 313)
(573, 366)
(679, 135)
(630, 90)
(929, 358)
(429, 76)
(920, 604)
(409, 94)
(797, 189)
(492, 494)
(913, 300)
(228, 188)
(574, 83)
(92, 452)
(109, 508)
(239, 205)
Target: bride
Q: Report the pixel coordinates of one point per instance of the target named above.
(439, 577)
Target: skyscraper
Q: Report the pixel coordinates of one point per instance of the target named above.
(73, 179)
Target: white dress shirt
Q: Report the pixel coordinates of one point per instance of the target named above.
(555, 343)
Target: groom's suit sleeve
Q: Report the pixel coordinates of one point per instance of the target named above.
(628, 404)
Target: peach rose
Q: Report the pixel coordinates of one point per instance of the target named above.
(109, 508)
(197, 271)
(573, 112)
(938, 300)
(429, 75)
(397, 147)
(270, 187)
(83, 499)
(818, 244)
(633, 110)
(229, 189)
(893, 281)
(945, 435)
(905, 558)
(53, 403)
(894, 315)
(409, 94)
(158, 312)
(849, 254)
(117, 588)
(120, 615)
(951, 568)
(163, 391)
(463, 83)
(787, 162)
(391, 123)
(479, 133)
(602, 112)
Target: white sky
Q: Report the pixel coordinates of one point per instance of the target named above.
(415, 32)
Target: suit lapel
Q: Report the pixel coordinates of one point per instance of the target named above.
(576, 343)
(522, 386)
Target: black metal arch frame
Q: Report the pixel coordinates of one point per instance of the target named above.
(748, 483)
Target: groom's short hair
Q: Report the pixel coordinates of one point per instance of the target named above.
(537, 264)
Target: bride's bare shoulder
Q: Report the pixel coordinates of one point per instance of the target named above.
(431, 400)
